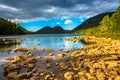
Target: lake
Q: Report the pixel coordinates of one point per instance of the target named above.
(52, 41)
(49, 41)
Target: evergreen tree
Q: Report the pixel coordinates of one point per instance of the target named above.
(8, 28)
(115, 20)
(105, 25)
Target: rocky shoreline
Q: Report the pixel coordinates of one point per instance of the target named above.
(99, 59)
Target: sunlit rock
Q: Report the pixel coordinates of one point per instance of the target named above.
(10, 68)
(37, 57)
(48, 65)
(100, 75)
(30, 55)
(82, 73)
(36, 44)
(60, 55)
(42, 49)
(18, 59)
(69, 75)
(62, 65)
(12, 75)
(9, 58)
(61, 49)
(20, 49)
(90, 77)
(30, 65)
(66, 51)
(51, 54)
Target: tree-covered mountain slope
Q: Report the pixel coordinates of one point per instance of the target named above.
(9, 28)
(54, 30)
(92, 22)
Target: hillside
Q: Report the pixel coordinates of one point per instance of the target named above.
(103, 25)
(54, 30)
(9, 28)
(92, 22)
(46, 30)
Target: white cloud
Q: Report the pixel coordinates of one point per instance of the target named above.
(19, 20)
(64, 17)
(68, 22)
(80, 7)
(6, 7)
(50, 10)
(27, 20)
(58, 23)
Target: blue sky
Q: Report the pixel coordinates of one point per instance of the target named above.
(65, 23)
(35, 14)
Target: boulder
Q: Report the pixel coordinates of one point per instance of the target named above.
(9, 58)
(11, 68)
(60, 55)
(69, 75)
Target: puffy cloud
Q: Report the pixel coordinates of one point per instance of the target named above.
(50, 10)
(68, 22)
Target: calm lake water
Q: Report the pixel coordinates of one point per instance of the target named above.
(48, 41)
(51, 42)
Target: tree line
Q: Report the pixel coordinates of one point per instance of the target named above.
(111, 24)
(10, 28)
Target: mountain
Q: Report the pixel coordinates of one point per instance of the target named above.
(46, 30)
(54, 30)
(92, 22)
(9, 28)
(58, 30)
(102, 25)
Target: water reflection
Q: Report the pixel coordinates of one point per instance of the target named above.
(54, 42)
(4, 48)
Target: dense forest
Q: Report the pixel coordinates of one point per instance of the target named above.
(108, 26)
(111, 24)
(9, 28)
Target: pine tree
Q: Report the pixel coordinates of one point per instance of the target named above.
(115, 20)
(105, 25)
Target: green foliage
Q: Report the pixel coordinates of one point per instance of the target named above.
(105, 25)
(92, 22)
(115, 20)
(109, 26)
(10, 28)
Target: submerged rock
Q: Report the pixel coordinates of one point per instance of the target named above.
(9, 58)
(11, 68)
(51, 54)
(48, 65)
(20, 49)
(60, 55)
(98, 60)
(37, 57)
